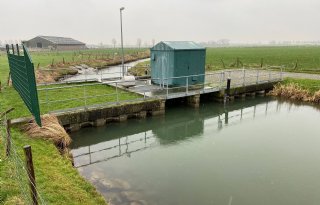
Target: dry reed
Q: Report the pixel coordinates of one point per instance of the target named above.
(51, 130)
(293, 91)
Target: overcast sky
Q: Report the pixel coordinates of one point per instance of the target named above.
(95, 21)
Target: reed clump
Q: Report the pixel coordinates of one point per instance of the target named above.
(295, 92)
(51, 130)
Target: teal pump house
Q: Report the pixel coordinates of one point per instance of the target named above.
(171, 61)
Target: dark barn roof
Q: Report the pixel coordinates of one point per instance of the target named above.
(62, 40)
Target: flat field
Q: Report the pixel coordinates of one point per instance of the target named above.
(295, 59)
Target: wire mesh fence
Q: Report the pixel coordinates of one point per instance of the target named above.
(18, 168)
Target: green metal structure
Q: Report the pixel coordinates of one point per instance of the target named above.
(173, 59)
(23, 79)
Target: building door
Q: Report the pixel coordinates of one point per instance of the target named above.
(39, 45)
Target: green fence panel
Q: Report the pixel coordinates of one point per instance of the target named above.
(23, 80)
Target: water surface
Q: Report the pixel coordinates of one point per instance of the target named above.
(257, 151)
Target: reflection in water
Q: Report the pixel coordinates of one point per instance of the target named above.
(188, 125)
(243, 153)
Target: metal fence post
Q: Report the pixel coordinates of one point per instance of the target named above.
(117, 92)
(167, 87)
(269, 75)
(281, 73)
(187, 85)
(47, 100)
(258, 72)
(244, 77)
(221, 80)
(30, 172)
(85, 96)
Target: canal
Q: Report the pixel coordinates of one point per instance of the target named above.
(253, 151)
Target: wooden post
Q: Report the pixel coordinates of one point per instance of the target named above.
(9, 77)
(52, 62)
(30, 172)
(228, 86)
(18, 50)
(12, 47)
(224, 66)
(8, 145)
(226, 117)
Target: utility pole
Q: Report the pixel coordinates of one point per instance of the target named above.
(123, 71)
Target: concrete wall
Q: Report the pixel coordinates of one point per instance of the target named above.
(73, 121)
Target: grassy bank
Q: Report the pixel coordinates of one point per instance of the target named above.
(140, 69)
(65, 97)
(304, 90)
(311, 86)
(57, 181)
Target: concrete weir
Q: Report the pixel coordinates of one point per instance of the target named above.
(75, 120)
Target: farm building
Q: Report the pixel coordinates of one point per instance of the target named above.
(55, 43)
(175, 59)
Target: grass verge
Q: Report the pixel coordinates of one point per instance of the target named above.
(57, 181)
(304, 90)
(64, 96)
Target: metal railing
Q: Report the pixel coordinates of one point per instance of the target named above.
(82, 96)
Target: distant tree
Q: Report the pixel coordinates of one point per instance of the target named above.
(114, 42)
(139, 41)
(223, 42)
(0, 43)
(101, 45)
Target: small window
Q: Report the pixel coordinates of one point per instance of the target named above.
(153, 57)
(39, 45)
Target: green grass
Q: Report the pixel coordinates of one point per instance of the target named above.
(4, 67)
(10, 98)
(307, 57)
(45, 58)
(57, 181)
(311, 85)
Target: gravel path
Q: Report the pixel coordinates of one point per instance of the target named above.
(301, 75)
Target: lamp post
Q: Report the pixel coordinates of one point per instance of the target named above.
(123, 71)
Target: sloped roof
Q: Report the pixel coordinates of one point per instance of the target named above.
(62, 40)
(179, 45)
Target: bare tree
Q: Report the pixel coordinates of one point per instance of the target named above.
(139, 41)
(114, 42)
(153, 42)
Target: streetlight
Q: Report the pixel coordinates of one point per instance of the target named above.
(121, 9)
